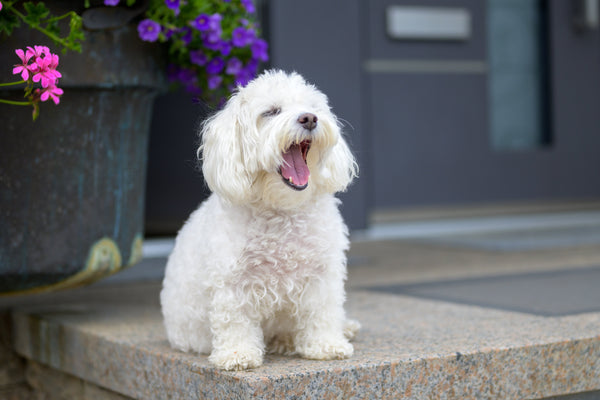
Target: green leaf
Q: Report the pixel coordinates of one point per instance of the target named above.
(35, 12)
(76, 35)
(53, 28)
(8, 22)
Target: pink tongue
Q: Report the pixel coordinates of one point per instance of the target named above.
(294, 166)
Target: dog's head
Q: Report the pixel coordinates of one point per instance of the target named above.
(276, 141)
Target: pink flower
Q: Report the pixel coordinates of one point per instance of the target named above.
(25, 68)
(39, 51)
(46, 70)
(43, 68)
(51, 92)
(38, 64)
(0, 6)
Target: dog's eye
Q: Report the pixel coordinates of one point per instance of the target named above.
(272, 112)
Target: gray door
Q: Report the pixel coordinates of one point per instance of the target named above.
(506, 109)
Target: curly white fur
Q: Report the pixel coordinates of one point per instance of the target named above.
(260, 265)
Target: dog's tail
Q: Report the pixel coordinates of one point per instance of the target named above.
(351, 327)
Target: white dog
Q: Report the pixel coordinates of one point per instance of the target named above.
(262, 262)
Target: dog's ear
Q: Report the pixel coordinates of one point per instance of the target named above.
(339, 166)
(222, 153)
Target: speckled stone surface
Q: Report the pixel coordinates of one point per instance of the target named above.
(408, 348)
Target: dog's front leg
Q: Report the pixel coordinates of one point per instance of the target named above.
(321, 319)
(238, 341)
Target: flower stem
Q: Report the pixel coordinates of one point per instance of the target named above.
(12, 83)
(15, 103)
(60, 17)
(46, 32)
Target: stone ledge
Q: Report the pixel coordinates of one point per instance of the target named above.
(409, 348)
(50, 384)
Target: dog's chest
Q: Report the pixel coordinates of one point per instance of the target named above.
(283, 245)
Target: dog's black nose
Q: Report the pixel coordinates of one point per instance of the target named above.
(308, 121)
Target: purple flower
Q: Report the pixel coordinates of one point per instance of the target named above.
(259, 50)
(226, 47)
(241, 37)
(202, 22)
(172, 4)
(215, 65)
(214, 81)
(248, 6)
(111, 3)
(217, 56)
(247, 73)
(205, 22)
(198, 57)
(212, 41)
(148, 30)
(243, 77)
(169, 33)
(234, 66)
(187, 77)
(187, 37)
(252, 67)
(215, 21)
(210, 26)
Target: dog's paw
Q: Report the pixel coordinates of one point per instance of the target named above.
(326, 349)
(236, 359)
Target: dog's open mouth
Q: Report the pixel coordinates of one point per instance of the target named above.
(294, 170)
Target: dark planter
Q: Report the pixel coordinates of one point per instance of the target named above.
(72, 183)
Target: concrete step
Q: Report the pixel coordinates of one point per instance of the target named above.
(409, 348)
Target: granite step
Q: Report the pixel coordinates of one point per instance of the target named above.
(440, 321)
(409, 348)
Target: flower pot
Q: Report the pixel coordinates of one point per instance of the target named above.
(72, 183)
